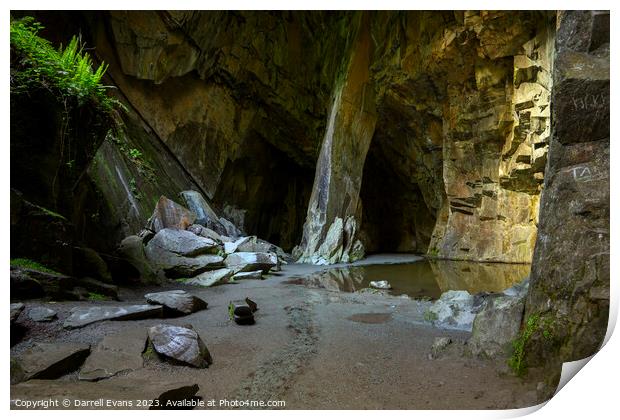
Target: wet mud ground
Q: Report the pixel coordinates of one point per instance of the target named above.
(312, 348)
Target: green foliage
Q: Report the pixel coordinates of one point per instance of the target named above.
(67, 70)
(430, 316)
(30, 264)
(135, 153)
(96, 296)
(517, 360)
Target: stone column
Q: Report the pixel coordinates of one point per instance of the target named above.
(331, 223)
(568, 303)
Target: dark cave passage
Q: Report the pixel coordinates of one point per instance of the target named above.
(265, 193)
(394, 215)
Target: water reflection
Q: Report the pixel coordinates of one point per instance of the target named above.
(423, 279)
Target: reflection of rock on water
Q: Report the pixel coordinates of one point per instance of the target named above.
(477, 277)
(348, 279)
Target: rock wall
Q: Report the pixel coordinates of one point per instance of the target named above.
(424, 131)
(569, 291)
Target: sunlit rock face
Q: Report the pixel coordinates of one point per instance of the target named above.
(421, 131)
(569, 291)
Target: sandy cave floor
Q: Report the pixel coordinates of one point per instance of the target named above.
(312, 348)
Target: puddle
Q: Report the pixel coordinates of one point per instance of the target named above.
(421, 279)
(371, 318)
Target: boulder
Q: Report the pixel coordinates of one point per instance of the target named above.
(80, 317)
(453, 310)
(180, 344)
(181, 253)
(439, 345)
(52, 360)
(16, 309)
(251, 261)
(115, 354)
(178, 301)
(380, 284)
(181, 242)
(29, 283)
(205, 232)
(230, 247)
(97, 286)
(131, 250)
(229, 228)
(205, 215)
(496, 326)
(41, 314)
(254, 244)
(168, 214)
(249, 275)
(88, 263)
(211, 278)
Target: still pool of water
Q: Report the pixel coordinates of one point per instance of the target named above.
(422, 279)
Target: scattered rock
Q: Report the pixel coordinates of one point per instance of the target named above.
(115, 354)
(177, 301)
(439, 345)
(180, 344)
(496, 326)
(41, 314)
(211, 278)
(16, 309)
(168, 214)
(131, 250)
(454, 310)
(83, 316)
(251, 261)
(242, 311)
(52, 360)
(380, 284)
(249, 275)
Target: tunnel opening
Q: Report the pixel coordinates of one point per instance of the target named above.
(395, 217)
(265, 193)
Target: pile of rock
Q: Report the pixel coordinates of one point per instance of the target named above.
(197, 246)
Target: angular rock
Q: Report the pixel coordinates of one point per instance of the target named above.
(497, 326)
(251, 261)
(230, 247)
(180, 344)
(181, 242)
(380, 284)
(454, 310)
(115, 354)
(254, 244)
(52, 360)
(439, 345)
(211, 278)
(205, 215)
(16, 309)
(29, 283)
(177, 301)
(205, 232)
(80, 317)
(249, 275)
(132, 250)
(229, 228)
(41, 314)
(168, 214)
(181, 253)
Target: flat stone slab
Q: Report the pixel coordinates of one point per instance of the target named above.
(177, 301)
(16, 309)
(115, 354)
(83, 316)
(121, 393)
(41, 314)
(211, 278)
(251, 261)
(52, 360)
(249, 275)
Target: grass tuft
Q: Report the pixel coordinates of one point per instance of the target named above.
(32, 265)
